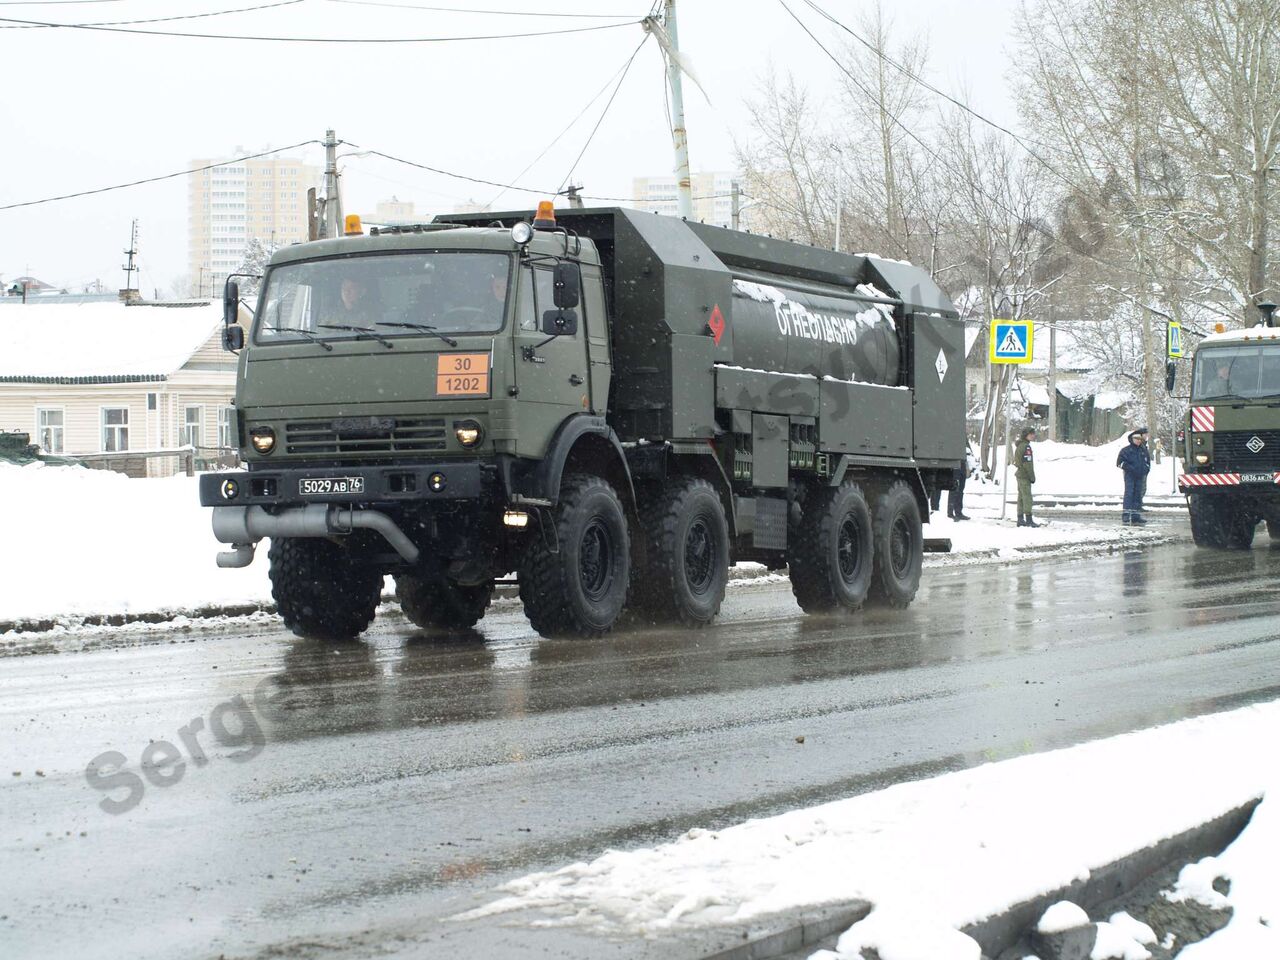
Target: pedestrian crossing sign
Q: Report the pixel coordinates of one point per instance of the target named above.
(1010, 341)
(1175, 340)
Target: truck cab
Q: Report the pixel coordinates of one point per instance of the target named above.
(1231, 464)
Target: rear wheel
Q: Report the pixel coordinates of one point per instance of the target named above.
(899, 547)
(574, 575)
(830, 559)
(320, 591)
(439, 602)
(1217, 521)
(686, 555)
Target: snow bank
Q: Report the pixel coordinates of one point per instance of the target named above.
(1077, 468)
(89, 542)
(83, 541)
(935, 855)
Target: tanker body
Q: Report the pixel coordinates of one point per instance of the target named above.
(654, 401)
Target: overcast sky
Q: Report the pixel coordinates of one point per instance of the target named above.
(83, 109)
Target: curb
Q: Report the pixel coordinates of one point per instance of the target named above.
(1000, 932)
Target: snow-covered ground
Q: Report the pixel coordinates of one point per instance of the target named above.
(1063, 468)
(90, 542)
(935, 855)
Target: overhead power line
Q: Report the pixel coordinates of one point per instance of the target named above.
(378, 40)
(604, 112)
(1020, 140)
(495, 13)
(184, 16)
(569, 126)
(512, 186)
(167, 176)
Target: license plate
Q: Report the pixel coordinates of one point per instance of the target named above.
(1257, 477)
(320, 486)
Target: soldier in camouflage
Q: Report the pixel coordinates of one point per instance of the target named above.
(1026, 475)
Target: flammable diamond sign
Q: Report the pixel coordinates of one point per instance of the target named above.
(1010, 341)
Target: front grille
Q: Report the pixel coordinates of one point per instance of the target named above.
(1232, 451)
(390, 436)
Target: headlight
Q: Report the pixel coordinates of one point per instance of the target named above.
(522, 233)
(1202, 458)
(468, 432)
(263, 439)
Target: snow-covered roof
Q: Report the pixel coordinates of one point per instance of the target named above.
(102, 342)
(1236, 336)
(1034, 393)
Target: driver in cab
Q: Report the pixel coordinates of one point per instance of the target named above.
(356, 303)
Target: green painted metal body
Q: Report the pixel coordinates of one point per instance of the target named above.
(764, 352)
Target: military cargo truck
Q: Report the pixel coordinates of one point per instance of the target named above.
(1231, 458)
(613, 405)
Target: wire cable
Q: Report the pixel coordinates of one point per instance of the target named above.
(512, 186)
(604, 112)
(905, 129)
(1022, 141)
(185, 16)
(167, 176)
(377, 40)
(495, 13)
(581, 113)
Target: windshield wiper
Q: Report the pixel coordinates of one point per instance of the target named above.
(310, 336)
(363, 333)
(420, 326)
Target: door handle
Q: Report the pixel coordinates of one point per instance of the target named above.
(575, 380)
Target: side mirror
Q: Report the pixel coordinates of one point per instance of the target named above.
(568, 281)
(232, 338)
(1170, 375)
(230, 303)
(556, 323)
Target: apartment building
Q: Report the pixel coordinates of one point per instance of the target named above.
(229, 205)
(712, 196)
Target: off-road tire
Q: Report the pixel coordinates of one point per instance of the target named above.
(899, 547)
(1217, 522)
(439, 603)
(1273, 530)
(831, 558)
(320, 592)
(686, 555)
(580, 589)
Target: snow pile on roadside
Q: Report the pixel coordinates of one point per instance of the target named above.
(935, 855)
(1063, 468)
(83, 541)
(88, 542)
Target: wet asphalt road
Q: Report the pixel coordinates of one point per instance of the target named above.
(381, 786)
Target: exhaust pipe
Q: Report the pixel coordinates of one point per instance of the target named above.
(243, 527)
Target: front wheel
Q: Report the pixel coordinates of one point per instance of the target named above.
(686, 553)
(899, 547)
(575, 572)
(1217, 521)
(320, 592)
(439, 602)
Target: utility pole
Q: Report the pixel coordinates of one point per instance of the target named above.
(575, 199)
(679, 136)
(1053, 373)
(330, 216)
(128, 292)
(839, 217)
(735, 205)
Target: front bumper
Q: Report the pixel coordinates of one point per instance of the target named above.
(392, 483)
(1262, 481)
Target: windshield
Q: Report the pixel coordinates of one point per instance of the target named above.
(1247, 371)
(391, 295)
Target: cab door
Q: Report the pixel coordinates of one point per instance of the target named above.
(551, 375)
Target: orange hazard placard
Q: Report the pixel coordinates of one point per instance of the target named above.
(462, 374)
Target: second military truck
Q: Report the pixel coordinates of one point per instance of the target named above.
(614, 405)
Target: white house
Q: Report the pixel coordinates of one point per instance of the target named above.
(100, 377)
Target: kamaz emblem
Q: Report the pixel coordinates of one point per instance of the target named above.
(1255, 444)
